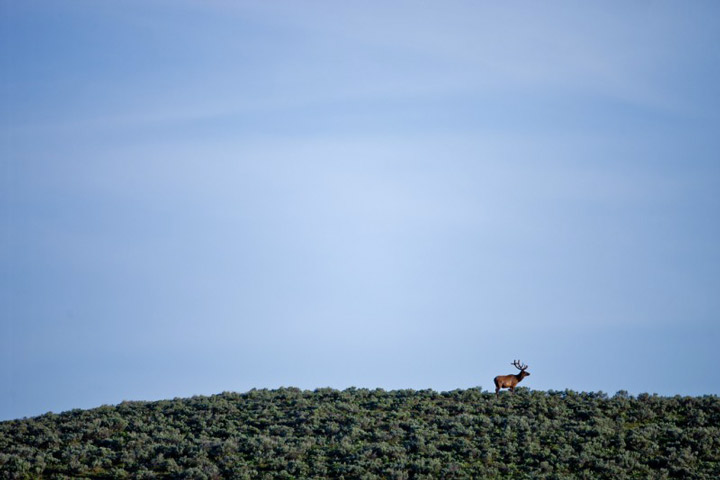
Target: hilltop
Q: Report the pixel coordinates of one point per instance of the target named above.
(373, 434)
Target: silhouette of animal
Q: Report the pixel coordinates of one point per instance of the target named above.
(511, 381)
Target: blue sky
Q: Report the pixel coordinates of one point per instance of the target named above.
(214, 196)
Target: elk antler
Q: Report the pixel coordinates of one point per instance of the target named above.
(519, 366)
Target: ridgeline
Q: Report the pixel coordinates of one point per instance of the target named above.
(373, 434)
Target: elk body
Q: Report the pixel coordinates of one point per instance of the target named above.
(511, 381)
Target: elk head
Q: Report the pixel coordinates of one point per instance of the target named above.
(511, 381)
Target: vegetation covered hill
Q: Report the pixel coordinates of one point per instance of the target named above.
(364, 434)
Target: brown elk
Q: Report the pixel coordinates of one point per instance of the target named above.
(511, 381)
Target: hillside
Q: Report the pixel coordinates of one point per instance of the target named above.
(359, 433)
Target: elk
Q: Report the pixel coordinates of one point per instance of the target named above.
(511, 381)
